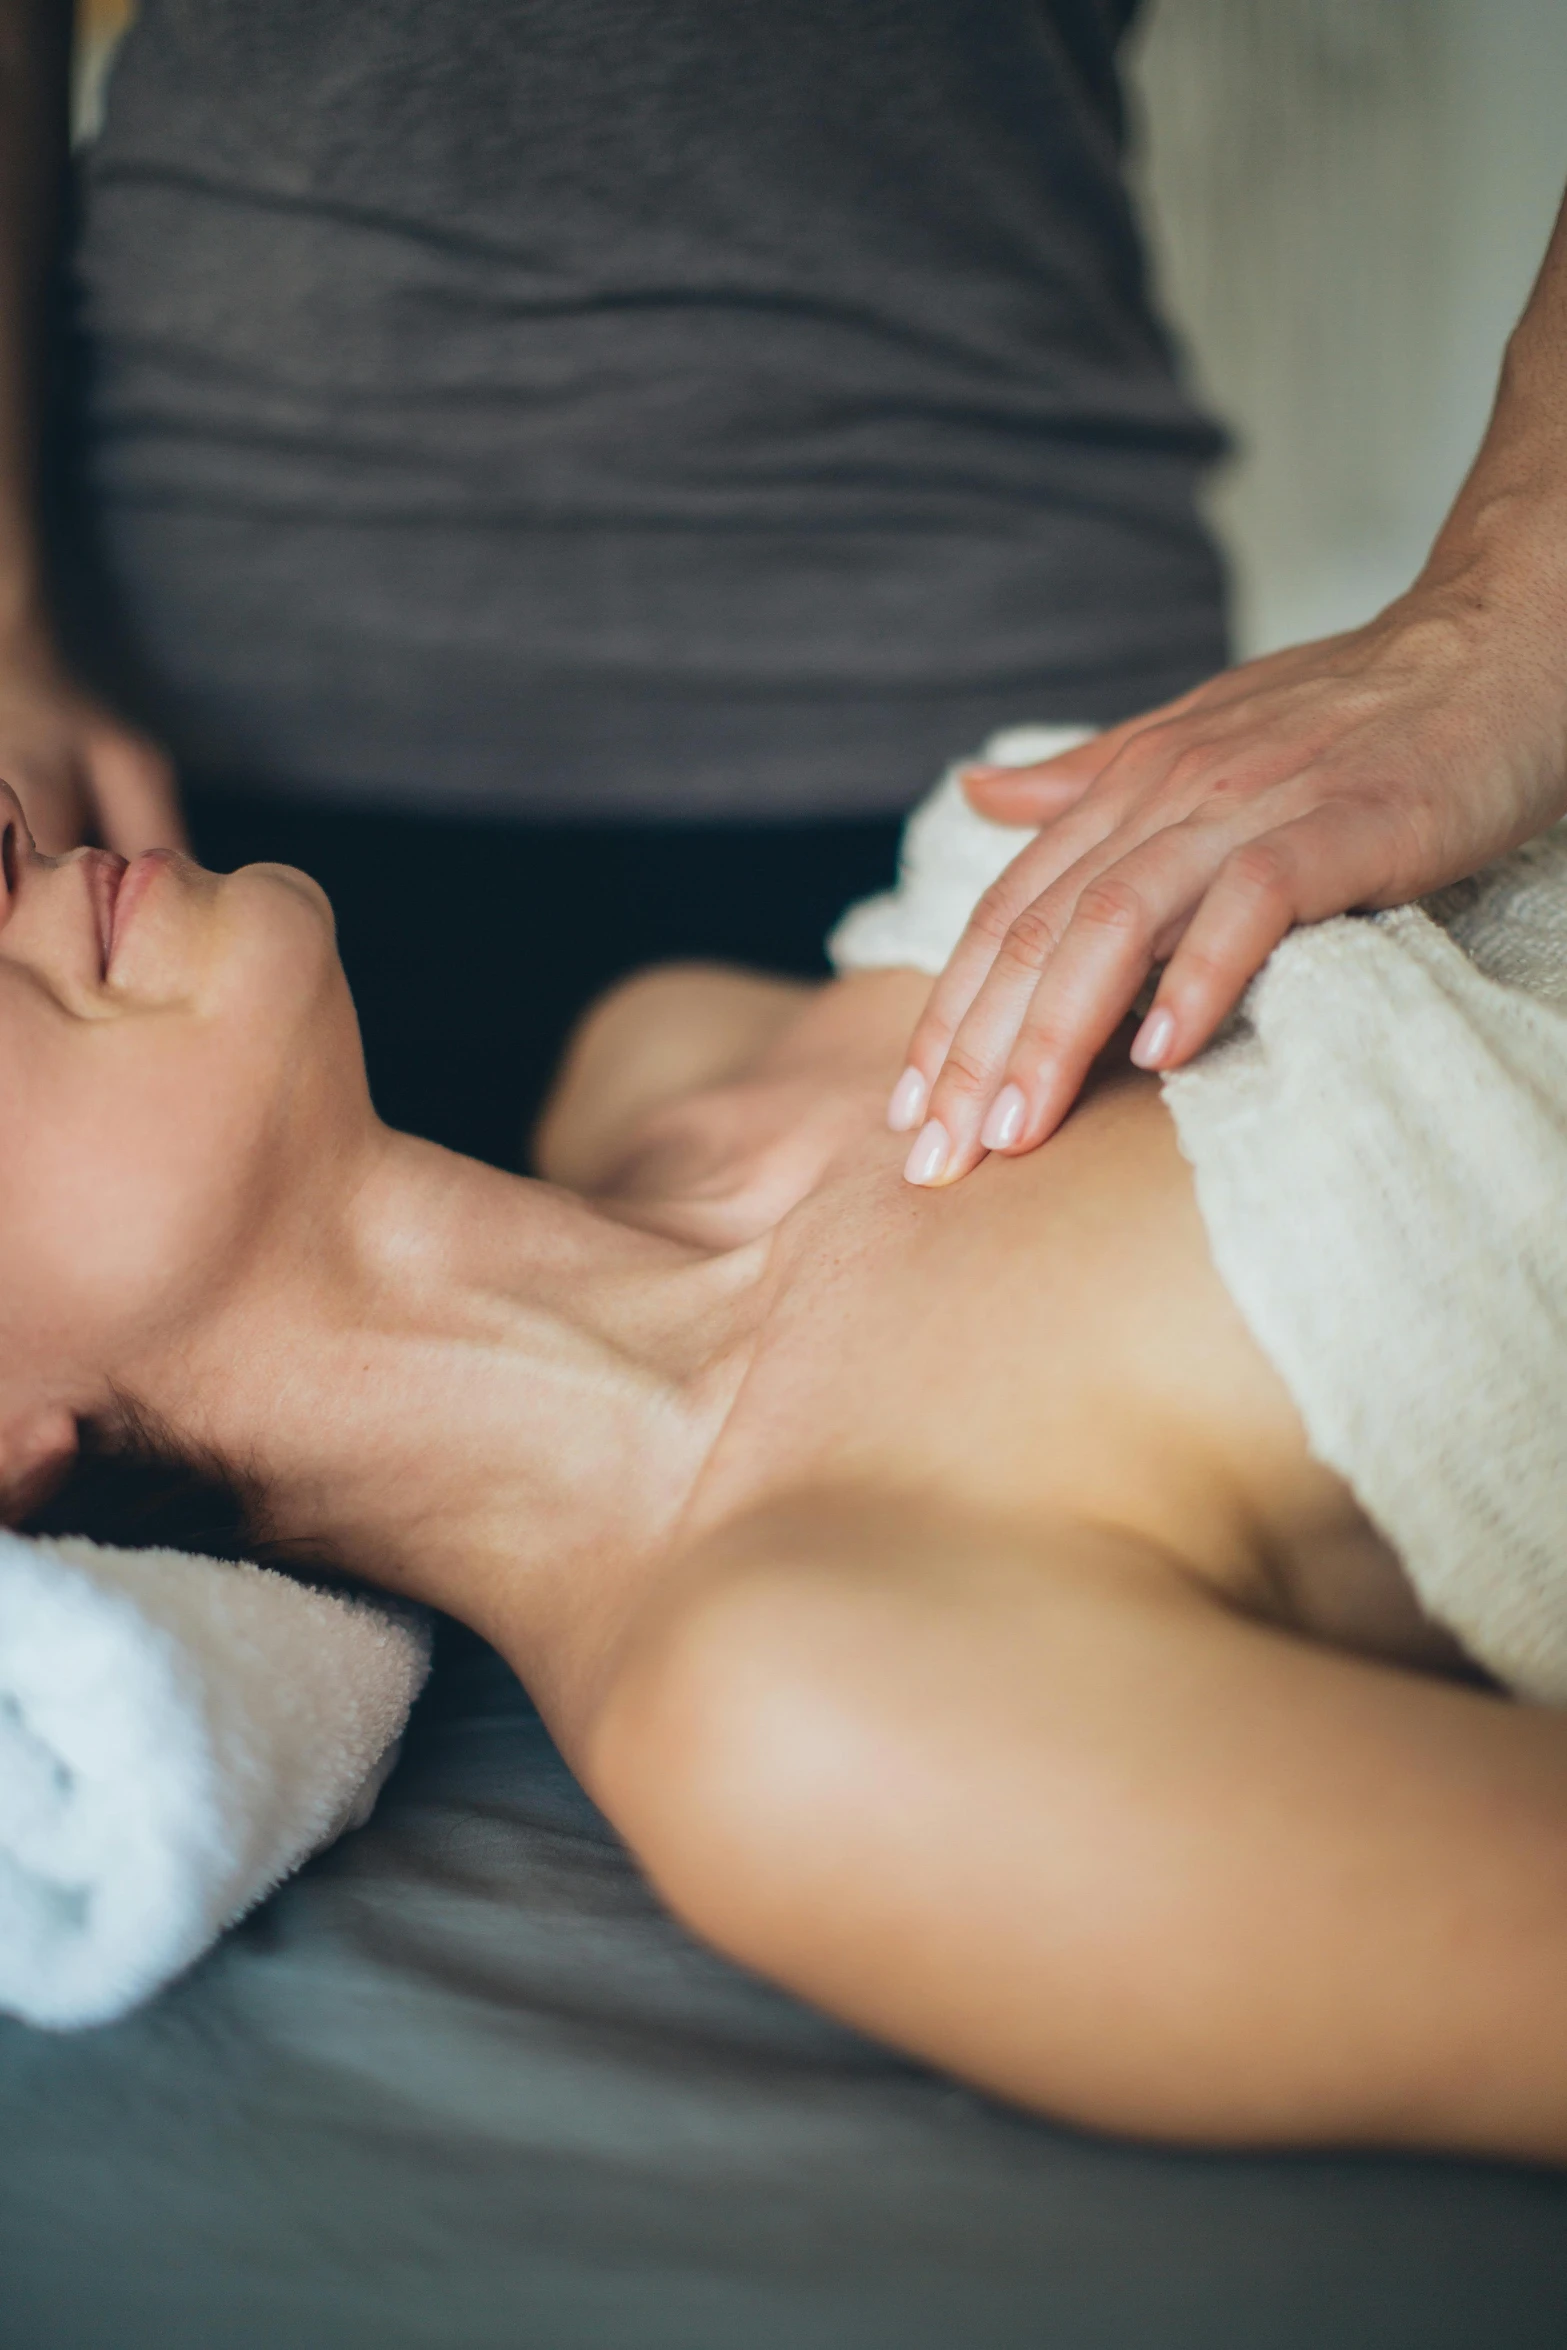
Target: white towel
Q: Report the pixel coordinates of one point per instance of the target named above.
(947, 860)
(177, 1735)
(1379, 1145)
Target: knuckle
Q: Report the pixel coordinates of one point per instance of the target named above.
(1032, 938)
(1214, 782)
(1189, 764)
(1142, 751)
(1200, 975)
(993, 914)
(966, 1075)
(1196, 779)
(1045, 1050)
(928, 1045)
(1263, 868)
(1115, 904)
(1408, 832)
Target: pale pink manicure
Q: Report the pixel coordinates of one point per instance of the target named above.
(927, 1161)
(1004, 1122)
(907, 1106)
(1154, 1039)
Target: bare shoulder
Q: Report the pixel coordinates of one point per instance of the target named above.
(1032, 1804)
(653, 1039)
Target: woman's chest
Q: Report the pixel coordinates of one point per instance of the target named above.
(1047, 1338)
(1049, 1343)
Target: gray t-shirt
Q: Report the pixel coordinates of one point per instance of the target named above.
(661, 406)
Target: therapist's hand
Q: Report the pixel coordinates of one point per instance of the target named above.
(80, 772)
(1361, 771)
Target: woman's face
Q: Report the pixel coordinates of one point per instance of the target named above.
(179, 1060)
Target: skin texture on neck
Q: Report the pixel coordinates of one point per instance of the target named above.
(477, 1391)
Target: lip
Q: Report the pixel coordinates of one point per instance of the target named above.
(127, 888)
(105, 872)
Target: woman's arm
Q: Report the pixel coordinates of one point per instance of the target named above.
(77, 768)
(1361, 771)
(655, 1038)
(1062, 1821)
(685, 1029)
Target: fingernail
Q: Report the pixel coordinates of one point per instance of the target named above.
(1154, 1038)
(907, 1106)
(1004, 1122)
(927, 1161)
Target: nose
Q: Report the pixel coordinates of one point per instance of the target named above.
(16, 847)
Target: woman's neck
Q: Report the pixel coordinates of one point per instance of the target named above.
(472, 1389)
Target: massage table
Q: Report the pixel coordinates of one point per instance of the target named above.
(462, 2085)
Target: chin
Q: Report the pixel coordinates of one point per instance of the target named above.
(279, 931)
(262, 884)
(278, 988)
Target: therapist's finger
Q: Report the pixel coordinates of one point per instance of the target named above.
(1021, 1053)
(1158, 778)
(1027, 797)
(1023, 884)
(948, 1142)
(1327, 862)
(1147, 788)
(1041, 791)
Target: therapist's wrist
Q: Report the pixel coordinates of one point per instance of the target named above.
(26, 634)
(1501, 556)
(1496, 585)
(29, 648)
(1503, 562)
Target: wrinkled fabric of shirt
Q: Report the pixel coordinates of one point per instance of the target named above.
(588, 407)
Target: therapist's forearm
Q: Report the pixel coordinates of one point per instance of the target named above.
(81, 771)
(35, 48)
(1506, 536)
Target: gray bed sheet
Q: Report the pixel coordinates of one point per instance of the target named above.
(462, 2084)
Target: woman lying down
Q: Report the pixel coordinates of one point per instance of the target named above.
(938, 1590)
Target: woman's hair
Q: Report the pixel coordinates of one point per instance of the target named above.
(136, 1483)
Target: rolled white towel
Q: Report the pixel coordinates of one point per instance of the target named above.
(177, 1735)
